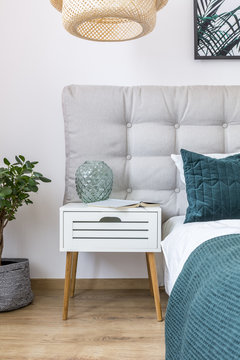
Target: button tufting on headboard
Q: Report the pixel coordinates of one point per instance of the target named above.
(136, 129)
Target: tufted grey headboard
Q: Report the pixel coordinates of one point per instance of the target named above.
(135, 129)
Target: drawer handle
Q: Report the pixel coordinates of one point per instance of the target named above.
(110, 219)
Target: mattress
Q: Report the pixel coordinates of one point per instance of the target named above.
(179, 241)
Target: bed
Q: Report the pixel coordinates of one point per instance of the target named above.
(202, 262)
(203, 312)
(135, 130)
(180, 240)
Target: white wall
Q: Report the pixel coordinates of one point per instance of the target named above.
(38, 58)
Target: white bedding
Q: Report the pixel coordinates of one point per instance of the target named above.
(181, 239)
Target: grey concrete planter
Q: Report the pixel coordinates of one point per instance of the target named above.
(15, 285)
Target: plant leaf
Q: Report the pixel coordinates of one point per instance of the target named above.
(22, 157)
(5, 191)
(18, 160)
(37, 174)
(6, 161)
(44, 179)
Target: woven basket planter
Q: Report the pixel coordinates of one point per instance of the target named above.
(15, 285)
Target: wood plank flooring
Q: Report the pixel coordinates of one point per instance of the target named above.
(102, 324)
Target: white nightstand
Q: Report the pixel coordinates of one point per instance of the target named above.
(86, 228)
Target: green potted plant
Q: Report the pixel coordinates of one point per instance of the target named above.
(17, 181)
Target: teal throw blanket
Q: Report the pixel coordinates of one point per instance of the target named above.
(203, 312)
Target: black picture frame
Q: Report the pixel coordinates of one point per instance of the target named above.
(197, 55)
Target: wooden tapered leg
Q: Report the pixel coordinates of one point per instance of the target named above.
(149, 276)
(67, 284)
(153, 272)
(74, 272)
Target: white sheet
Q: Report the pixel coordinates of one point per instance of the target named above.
(181, 239)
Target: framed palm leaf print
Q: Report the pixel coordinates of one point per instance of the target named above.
(217, 29)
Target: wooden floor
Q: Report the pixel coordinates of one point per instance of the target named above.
(102, 324)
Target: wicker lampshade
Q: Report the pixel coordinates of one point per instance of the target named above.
(109, 20)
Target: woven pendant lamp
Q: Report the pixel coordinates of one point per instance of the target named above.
(109, 20)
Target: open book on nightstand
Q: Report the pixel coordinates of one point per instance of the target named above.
(119, 203)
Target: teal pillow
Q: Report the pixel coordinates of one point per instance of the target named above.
(213, 187)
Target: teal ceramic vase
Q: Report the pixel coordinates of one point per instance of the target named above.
(94, 181)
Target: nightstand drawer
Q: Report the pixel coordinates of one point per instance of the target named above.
(109, 231)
